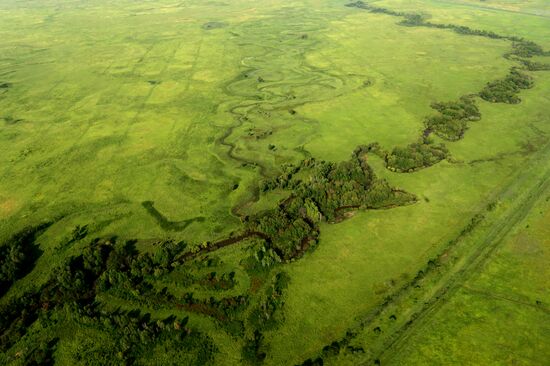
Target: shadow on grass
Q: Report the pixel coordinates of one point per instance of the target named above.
(167, 224)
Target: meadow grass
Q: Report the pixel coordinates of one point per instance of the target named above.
(364, 259)
(527, 19)
(190, 105)
(409, 68)
(500, 315)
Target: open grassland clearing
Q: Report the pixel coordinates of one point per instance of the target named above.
(413, 301)
(528, 19)
(371, 255)
(507, 299)
(407, 68)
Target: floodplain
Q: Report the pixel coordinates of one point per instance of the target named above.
(278, 183)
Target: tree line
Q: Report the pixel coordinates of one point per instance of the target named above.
(319, 191)
(104, 264)
(452, 119)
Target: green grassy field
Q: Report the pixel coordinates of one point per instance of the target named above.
(160, 121)
(499, 315)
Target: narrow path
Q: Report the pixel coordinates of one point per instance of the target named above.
(504, 298)
(474, 261)
(443, 283)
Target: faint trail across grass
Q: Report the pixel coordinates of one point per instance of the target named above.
(491, 8)
(474, 261)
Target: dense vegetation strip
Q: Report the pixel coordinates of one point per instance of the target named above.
(319, 191)
(506, 90)
(453, 117)
(450, 125)
(105, 266)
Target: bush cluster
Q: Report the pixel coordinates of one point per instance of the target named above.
(506, 90)
(105, 265)
(416, 156)
(451, 122)
(320, 190)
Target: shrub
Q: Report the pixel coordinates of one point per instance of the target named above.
(506, 90)
(416, 156)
